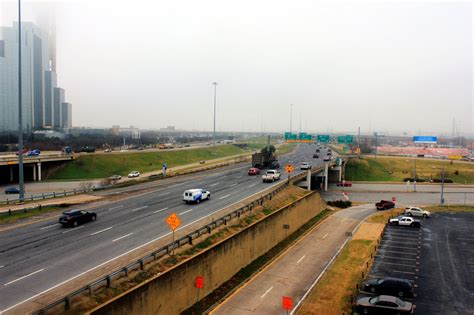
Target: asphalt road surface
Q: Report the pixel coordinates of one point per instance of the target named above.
(37, 257)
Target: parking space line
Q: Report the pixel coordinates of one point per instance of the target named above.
(386, 263)
(406, 272)
(161, 210)
(79, 227)
(119, 238)
(397, 246)
(397, 252)
(390, 257)
(266, 292)
(30, 274)
(98, 232)
(49, 226)
(184, 212)
(299, 260)
(465, 239)
(404, 238)
(386, 241)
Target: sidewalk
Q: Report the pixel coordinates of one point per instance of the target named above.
(293, 272)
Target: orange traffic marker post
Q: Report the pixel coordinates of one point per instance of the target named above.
(289, 169)
(173, 222)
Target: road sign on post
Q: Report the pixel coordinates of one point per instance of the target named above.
(173, 222)
(287, 303)
(289, 136)
(199, 282)
(394, 199)
(323, 138)
(289, 169)
(348, 139)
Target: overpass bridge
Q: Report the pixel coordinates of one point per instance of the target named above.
(32, 165)
(319, 176)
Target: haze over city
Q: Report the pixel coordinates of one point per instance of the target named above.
(387, 67)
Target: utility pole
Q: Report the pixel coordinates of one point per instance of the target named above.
(21, 179)
(414, 175)
(300, 122)
(376, 144)
(215, 98)
(442, 188)
(358, 140)
(291, 117)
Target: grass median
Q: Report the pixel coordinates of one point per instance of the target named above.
(398, 168)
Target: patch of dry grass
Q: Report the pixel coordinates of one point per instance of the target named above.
(453, 208)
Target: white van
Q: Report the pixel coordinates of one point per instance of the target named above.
(196, 195)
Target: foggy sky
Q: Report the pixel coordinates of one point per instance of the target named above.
(386, 67)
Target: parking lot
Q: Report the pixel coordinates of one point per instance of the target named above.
(438, 258)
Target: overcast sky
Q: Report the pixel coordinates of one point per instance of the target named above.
(386, 67)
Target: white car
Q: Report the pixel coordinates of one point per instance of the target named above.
(305, 166)
(404, 221)
(271, 176)
(196, 195)
(133, 174)
(417, 212)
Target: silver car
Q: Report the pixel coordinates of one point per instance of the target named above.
(417, 212)
(383, 304)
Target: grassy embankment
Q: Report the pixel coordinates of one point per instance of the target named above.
(104, 165)
(396, 169)
(333, 293)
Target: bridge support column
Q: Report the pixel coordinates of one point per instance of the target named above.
(340, 174)
(34, 172)
(39, 170)
(308, 179)
(326, 175)
(11, 174)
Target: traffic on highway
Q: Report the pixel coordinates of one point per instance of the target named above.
(38, 257)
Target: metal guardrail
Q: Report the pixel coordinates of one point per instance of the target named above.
(106, 280)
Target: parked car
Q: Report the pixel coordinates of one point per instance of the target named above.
(35, 152)
(254, 171)
(404, 221)
(315, 156)
(389, 286)
(12, 190)
(417, 212)
(383, 304)
(344, 184)
(76, 217)
(115, 177)
(108, 150)
(305, 166)
(384, 205)
(133, 174)
(271, 176)
(196, 195)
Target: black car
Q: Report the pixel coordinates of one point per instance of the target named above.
(12, 190)
(315, 156)
(390, 286)
(275, 165)
(76, 217)
(317, 150)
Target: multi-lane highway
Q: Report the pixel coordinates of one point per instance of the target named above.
(38, 257)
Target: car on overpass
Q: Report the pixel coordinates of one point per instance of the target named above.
(76, 217)
(12, 190)
(196, 195)
(417, 212)
(35, 152)
(133, 174)
(383, 304)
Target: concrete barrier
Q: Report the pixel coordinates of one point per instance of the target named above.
(174, 290)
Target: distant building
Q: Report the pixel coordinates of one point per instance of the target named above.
(66, 120)
(131, 132)
(168, 128)
(58, 100)
(38, 81)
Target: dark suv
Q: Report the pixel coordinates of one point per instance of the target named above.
(390, 286)
(76, 217)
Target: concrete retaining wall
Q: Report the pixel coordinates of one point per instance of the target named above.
(174, 291)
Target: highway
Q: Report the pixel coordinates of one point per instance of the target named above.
(38, 257)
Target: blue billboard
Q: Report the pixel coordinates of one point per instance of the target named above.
(425, 139)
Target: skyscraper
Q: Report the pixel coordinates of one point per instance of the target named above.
(57, 108)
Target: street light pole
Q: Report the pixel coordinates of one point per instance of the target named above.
(215, 98)
(414, 175)
(21, 182)
(442, 188)
(291, 117)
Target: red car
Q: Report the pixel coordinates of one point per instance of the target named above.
(344, 184)
(254, 171)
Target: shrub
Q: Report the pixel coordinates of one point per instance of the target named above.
(340, 203)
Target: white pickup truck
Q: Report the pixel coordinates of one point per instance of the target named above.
(271, 176)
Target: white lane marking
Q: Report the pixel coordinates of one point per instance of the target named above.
(30, 274)
(119, 238)
(95, 233)
(164, 194)
(73, 229)
(184, 212)
(176, 185)
(266, 292)
(139, 208)
(325, 235)
(299, 260)
(214, 184)
(49, 226)
(252, 185)
(161, 210)
(126, 253)
(116, 207)
(199, 183)
(223, 197)
(234, 184)
(2, 266)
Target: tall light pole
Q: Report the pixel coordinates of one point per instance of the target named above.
(291, 118)
(414, 175)
(21, 182)
(215, 99)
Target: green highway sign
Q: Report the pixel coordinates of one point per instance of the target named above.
(290, 136)
(304, 136)
(323, 138)
(345, 139)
